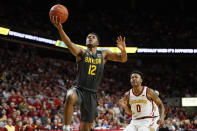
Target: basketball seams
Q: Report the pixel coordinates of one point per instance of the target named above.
(53, 12)
(60, 11)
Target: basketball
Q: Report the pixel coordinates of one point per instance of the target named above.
(60, 11)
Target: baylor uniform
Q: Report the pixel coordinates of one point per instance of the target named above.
(90, 72)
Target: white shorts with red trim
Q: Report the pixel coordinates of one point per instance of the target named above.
(155, 125)
(140, 125)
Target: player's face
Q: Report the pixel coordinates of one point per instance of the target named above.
(135, 80)
(92, 40)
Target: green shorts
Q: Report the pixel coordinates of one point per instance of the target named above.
(88, 104)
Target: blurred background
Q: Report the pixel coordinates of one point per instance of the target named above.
(35, 75)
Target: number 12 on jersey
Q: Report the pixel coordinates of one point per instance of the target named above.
(92, 69)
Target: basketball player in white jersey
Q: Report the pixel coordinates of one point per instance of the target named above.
(139, 102)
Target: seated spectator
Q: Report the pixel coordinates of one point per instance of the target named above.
(48, 124)
(19, 126)
(3, 118)
(38, 126)
(13, 98)
(105, 125)
(24, 106)
(55, 125)
(11, 108)
(9, 126)
(29, 125)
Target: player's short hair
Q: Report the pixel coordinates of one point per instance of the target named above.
(97, 36)
(137, 72)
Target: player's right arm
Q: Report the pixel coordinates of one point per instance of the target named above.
(77, 51)
(152, 96)
(124, 102)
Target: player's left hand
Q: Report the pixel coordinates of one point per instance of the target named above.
(56, 22)
(123, 102)
(121, 43)
(160, 122)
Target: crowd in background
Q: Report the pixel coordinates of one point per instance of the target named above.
(32, 86)
(32, 91)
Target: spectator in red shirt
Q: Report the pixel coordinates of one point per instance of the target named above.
(12, 116)
(45, 100)
(25, 114)
(11, 108)
(182, 116)
(18, 115)
(29, 126)
(191, 125)
(33, 112)
(13, 97)
(58, 101)
(116, 124)
(30, 101)
(37, 104)
(59, 123)
(38, 125)
(19, 126)
(41, 112)
(19, 97)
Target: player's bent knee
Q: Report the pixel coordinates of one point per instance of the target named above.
(71, 97)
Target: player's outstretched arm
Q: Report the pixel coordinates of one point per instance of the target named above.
(75, 50)
(151, 95)
(119, 57)
(124, 102)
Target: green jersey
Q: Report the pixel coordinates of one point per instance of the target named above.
(90, 71)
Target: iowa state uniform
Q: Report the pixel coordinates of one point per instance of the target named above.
(142, 111)
(90, 72)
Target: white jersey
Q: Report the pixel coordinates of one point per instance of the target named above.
(141, 106)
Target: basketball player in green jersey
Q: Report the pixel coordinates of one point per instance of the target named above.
(90, 70)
